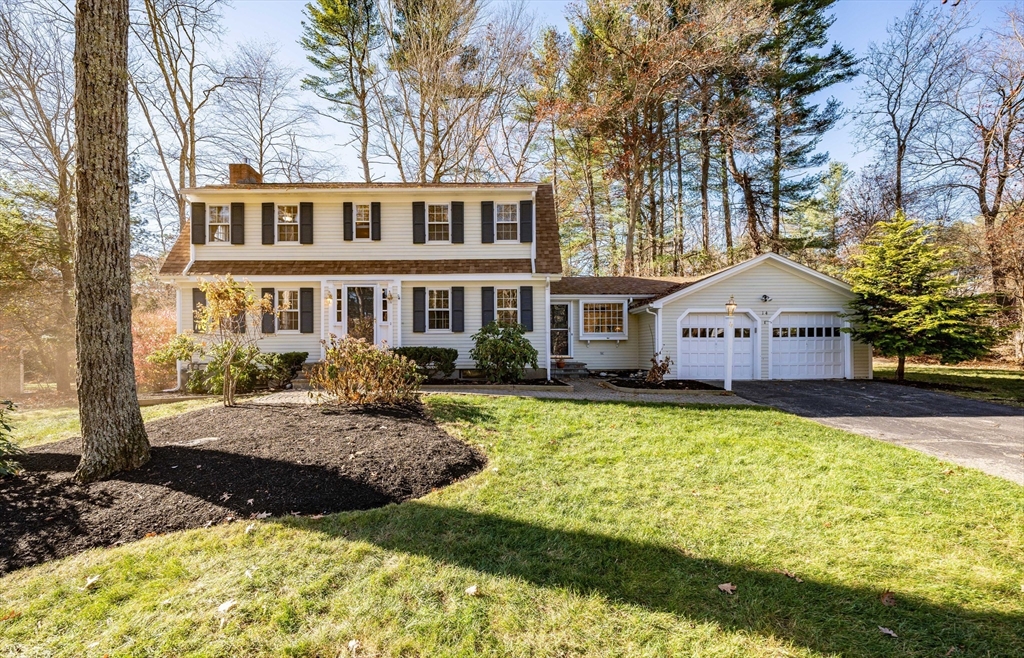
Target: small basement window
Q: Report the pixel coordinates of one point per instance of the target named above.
(603, 320)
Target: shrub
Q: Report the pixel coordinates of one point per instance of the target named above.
(431, 361)
(502, 352)
(8, 448)
(150, 330)
(359, 372)
(659, 368)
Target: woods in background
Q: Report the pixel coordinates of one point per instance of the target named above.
(680, 137)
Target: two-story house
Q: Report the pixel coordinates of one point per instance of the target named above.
(430, 264)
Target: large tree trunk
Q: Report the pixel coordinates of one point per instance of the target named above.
(113, 435)
(901, 367)
(726, 210)
(705, 166)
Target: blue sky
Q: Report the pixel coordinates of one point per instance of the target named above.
(858, 23)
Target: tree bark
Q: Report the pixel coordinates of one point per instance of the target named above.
(901, 367)
(726, 210)
(113, 435)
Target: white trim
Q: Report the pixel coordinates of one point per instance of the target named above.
(847, 352)
(382, 190)
(623, 335)
(547, 333)
(755, 367)
(807, 309)
(368, 277)
(742, 267)
(871, 360)
(533, 242)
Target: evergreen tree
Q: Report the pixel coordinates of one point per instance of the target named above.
(908, 302)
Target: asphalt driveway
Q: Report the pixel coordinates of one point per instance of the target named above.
(982, 435)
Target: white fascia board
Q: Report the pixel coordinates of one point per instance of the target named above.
(195, 193)
(338, 278)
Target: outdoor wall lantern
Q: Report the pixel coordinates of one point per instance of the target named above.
(765, 298)
(328, 300)
(730, 306)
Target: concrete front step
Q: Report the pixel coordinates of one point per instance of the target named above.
(571, 370)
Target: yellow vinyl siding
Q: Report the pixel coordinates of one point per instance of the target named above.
(328, 227)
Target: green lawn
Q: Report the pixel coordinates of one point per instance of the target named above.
(597, 529)
(989, 384)
(35, 426)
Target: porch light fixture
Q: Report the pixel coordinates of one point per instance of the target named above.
(730, 306)
(328, 300)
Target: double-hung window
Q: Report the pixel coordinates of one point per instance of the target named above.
(508, 305)
(439, 310)
(437, 223)
(362, 221)
(287, 223)
(603, 320)
(287, 310)
(219, 223)
(506, 217)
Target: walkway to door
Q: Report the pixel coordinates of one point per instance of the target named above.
(981, 435)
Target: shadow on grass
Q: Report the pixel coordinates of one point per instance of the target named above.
(821, 616)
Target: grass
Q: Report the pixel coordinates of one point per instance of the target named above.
(597, 529)
(1004, 386)
(36, 426)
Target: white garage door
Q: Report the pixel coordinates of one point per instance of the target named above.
(807, 346)
(702, 347)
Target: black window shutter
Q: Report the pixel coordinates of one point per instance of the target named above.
(419, 310)
(347, 219)
(419, 222)
(487, 222)
(268, 223)
(269, 326)
(526, 307)
(458, 222)
(198, 223)
(526, 221)
(237, 223)
(487, 304)
(458, 309)
(306, 222)
(198, 297)
(375, 220)
(306, 310)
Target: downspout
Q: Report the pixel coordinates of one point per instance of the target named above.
(547, 324)
(533, 244)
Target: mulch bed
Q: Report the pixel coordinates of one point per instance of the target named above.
(218, 465)
(483, 383)
(667, 385)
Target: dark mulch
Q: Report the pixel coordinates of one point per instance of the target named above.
(216, 465)
(667, 385)
(482, 383)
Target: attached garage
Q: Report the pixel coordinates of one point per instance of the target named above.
(702, 346)
(808, 346)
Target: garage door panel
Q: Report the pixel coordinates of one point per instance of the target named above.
(702, 344)
(807, 346)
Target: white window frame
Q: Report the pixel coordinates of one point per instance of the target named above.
(497, 223)
(278, 311)
(448, 309)
(584, 335)
(278, 223)
(210, 224)
(497, 305)
(355, 221)
(447, 222)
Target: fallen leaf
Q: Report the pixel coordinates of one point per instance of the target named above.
(888, 598)
(262, 515)
(728, 588)
(789, 574)
(91, 581)
(250, 501)
(352, 646)
(471, 590)
(886, 631)
(227, 606)
(13, 614)
(151, 534)
(225, 496)
(951, 651)
(249, 528)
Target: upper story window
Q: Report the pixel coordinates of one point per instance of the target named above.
(219, 223)
(363, 222)
(288, 224)
(507, 222)
(603, 319)
(439, 312)
(508, 305)
(287, 310)
(437, 223)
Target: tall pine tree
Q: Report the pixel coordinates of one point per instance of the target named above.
(908, 302)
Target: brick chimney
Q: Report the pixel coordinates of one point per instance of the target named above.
(243, 174)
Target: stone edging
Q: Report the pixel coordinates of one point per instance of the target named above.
(658, 391)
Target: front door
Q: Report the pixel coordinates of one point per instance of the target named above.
(560, 330)
(356, 314)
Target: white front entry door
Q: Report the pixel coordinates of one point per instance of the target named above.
(701, 353)
(808, 346)
(363, 310)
